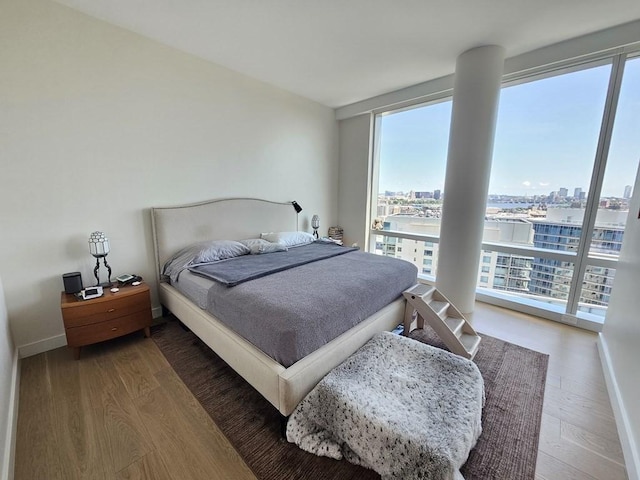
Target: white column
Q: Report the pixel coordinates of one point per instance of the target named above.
(476, 91)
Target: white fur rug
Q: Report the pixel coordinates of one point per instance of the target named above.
(397, 406)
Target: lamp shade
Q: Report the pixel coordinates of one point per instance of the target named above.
(296, 206)
(98, 244)
(315, 221)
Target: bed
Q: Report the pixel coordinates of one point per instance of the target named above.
(283, 383)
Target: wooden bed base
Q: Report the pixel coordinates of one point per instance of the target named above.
(177, 227)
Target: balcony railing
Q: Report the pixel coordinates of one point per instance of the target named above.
(554, 268)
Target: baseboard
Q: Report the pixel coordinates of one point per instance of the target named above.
(58, 341)
(42, 345)
(532, 307)
(8, 456)
(627, 441)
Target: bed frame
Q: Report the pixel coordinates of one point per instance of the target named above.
(236, 218)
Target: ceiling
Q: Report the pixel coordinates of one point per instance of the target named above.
(338, 52)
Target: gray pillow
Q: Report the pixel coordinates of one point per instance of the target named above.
(259, 246)
(203, 252)
(217, 250)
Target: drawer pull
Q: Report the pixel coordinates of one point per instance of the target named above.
(114, 329)
(111, 310)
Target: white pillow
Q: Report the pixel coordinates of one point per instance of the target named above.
(288, 239)
(260, 245)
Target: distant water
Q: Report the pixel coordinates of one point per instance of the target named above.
(509, 205)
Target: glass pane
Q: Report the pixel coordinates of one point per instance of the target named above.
(596, 290)
(530, 279)
(546, 139)
(622, 164)
(505, 272)
(423, 255)
(412, 157)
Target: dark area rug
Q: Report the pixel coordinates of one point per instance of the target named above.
(507, 449)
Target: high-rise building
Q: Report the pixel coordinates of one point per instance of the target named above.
(422, 254)
(498, 271)
(524, 276)
(577, 192)
(561, 231)
(563, 192)
(627, 192)
(424, 195)
(506, 271)
(437, 194)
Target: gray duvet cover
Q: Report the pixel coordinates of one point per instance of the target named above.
(291, 313)
(241, 269)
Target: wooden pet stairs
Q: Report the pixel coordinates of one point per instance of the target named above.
(427, 303)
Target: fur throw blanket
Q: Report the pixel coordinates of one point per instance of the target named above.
(397, 406)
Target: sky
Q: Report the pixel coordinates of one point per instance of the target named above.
(546, 137)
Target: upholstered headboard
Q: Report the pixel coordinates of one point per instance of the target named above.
(224, 219)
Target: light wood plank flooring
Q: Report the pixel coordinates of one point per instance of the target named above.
(578, 438)
(122, 413)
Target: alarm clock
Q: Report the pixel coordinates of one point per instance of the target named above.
(91, 292)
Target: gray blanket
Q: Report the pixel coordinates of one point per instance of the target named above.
(405, 409)
(292, 313)
(249, 267)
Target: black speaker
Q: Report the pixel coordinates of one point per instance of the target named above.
(72, 282)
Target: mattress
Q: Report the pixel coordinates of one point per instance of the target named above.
(194, 287)
(291, 313)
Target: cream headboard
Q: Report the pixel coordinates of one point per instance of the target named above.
(224, 219)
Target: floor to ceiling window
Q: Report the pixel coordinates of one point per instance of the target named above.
(411, 162)
(617, 188)
(559, 195)
(545, 148)
(566, 154)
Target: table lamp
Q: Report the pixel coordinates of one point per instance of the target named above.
(99, 248)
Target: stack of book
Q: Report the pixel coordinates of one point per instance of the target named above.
(335, 234)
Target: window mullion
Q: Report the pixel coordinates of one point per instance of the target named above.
(374, 172)
(595, 187)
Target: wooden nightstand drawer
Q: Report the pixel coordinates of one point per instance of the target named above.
(110, 316)
(88, 334)
(95, 312)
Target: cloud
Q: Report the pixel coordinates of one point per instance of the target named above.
(526, 183)
(544, 184)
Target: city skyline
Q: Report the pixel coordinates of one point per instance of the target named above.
(438, 194)
(550, 126)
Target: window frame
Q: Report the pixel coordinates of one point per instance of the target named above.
(581, 258)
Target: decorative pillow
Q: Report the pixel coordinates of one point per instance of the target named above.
(203, 252)
(260, 245)
(289, 239)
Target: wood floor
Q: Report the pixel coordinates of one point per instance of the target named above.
(120, 412)
(578, 439)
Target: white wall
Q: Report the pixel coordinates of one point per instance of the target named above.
(353, 196)
(8, 365)
(98, 124)
(621, 338)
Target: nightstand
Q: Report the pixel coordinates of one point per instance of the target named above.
(110, 316)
